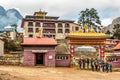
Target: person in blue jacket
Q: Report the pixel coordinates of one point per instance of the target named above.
(102, 66)
(107, 67)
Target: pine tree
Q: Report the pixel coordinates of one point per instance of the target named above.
(91, 18)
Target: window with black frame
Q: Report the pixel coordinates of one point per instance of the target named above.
(30, 23)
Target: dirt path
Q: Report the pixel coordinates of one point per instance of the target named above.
(47, 73)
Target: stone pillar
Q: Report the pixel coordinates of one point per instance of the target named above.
(34, 31)
(25, 30)
(63, 28)
(56, 29)
(41, 26)
(102, 52)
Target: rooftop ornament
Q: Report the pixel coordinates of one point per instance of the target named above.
(80, 31)
(87, 33)
(92, 31)
(39, 33)
(86, 27)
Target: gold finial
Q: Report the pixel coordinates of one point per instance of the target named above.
(92, 31)
(80, 31)
(39, 33)
(101, 31)
(86, 27)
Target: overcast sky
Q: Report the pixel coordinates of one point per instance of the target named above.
(66, 9)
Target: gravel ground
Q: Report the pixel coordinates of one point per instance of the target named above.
(50, 73)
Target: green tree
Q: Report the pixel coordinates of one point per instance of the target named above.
(116, 32)
(108, 32)
(9, 45)
(91, 18)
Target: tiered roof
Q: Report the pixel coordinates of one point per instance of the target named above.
(110, 43)
(88, 37)
(87, 34)
(117, 47)
(42, 17)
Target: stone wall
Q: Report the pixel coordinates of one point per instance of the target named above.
(1, 48)
(29, 58)
(116, 63)
(62, 62)
(50, 58)
(11, 59)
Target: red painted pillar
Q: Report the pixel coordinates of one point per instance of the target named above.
(102, 52)
(72, 51)
(71, 54)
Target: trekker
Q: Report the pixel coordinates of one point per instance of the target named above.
(73, 62)
(102, 66)
(87, 61)
(110, 66)
(77, 64)
(92, 64)
(96, 64)
(99, 66)
(80, 62)
(83, 63)
(107, 66)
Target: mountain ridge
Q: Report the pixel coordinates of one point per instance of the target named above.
(111, 26)
(9, 17)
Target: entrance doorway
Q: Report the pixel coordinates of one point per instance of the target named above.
(86, 52)
(39, 58)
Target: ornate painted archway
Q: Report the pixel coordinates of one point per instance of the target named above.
(89, 37)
